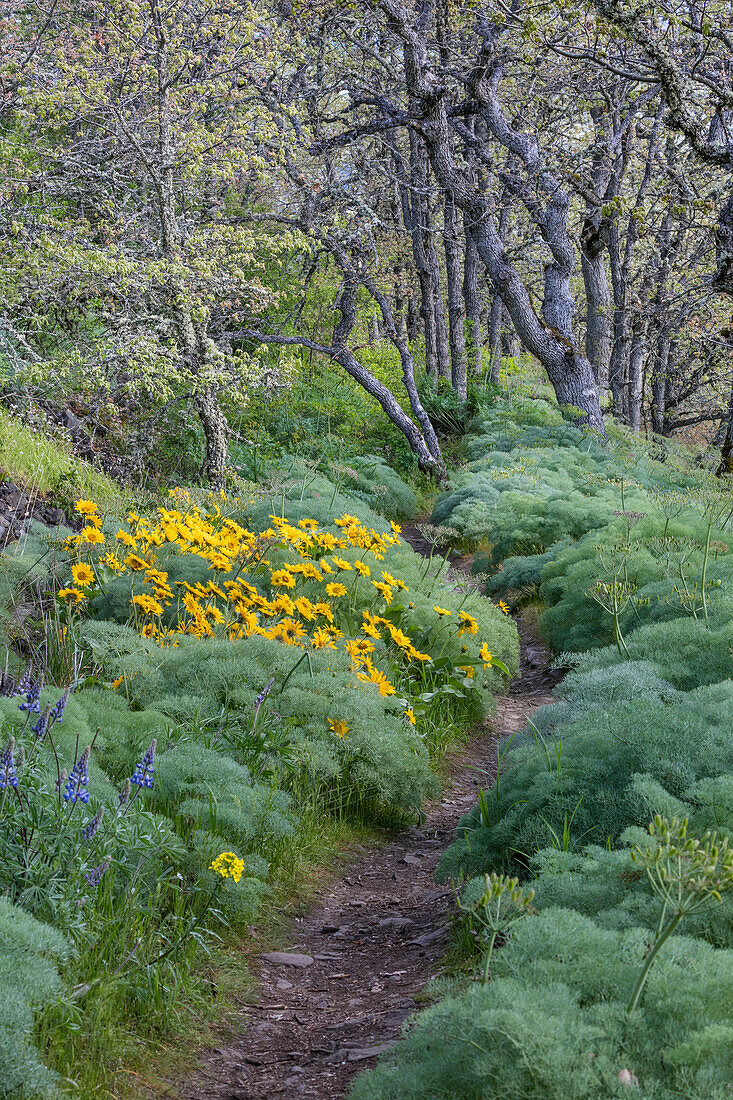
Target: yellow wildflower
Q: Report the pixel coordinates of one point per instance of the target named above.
(147, 604)
(321, 639)
(410, 716)
(74, 594)
(282, 578)
(137, 564)
(86, 507)
(92, 536)
(83, 575)
(468, 624)
(335, 589)
(304, 608)
(342, 563)
(385, 590)
(441, 610)
(363, 568)
(340, 728)
(228, 865)
(485, 655)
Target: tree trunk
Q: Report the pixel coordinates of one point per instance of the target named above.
(417, 218)
(599, 309)
(659, 381)
(473, 303)
(456, 306)
(496, 312)
(636, 375)
(509, 340)
(214, 425)
(726, 450)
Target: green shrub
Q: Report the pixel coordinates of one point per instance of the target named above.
(30, 953)
(553, 1023)
(607, 769)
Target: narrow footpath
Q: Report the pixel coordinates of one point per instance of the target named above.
(353, 969)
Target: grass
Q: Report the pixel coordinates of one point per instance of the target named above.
(210, 1001)
(42, 466)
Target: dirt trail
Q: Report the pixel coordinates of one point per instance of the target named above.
(360, 958)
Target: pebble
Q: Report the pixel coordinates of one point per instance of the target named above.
(288, 958)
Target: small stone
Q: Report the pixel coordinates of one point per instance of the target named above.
(288, 958)
(368, 1052)
(395, 922)
(412, 860)
(283, 985)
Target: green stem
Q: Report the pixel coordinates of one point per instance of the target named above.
(639, 988)
(487, 960)
(705, 571)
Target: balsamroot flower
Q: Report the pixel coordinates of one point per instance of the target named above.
(339, 727)
(143, 774)
(8, 773)
(468, 624)
(76, 785)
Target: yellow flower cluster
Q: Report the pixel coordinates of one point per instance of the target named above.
(228, 865)
(275, 607)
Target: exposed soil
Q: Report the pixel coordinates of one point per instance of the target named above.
(353, 968)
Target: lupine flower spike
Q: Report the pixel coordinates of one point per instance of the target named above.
(124, 795)
(76, 785)
(41, 727)
(96, 873)
(25, 682)
(259, 699)
(91, 829)
(32, 697)
(57, 711)
(143, 774)
(8, 774)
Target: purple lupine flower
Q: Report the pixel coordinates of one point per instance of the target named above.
(124, 795)
(32, 697)
(143, 774)
(57, 710)
(96, 873)
(25, 682)
(76, 785)
(92, 827)
(41, 726)
(259, 699)
(63, 775)
(8, 774)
